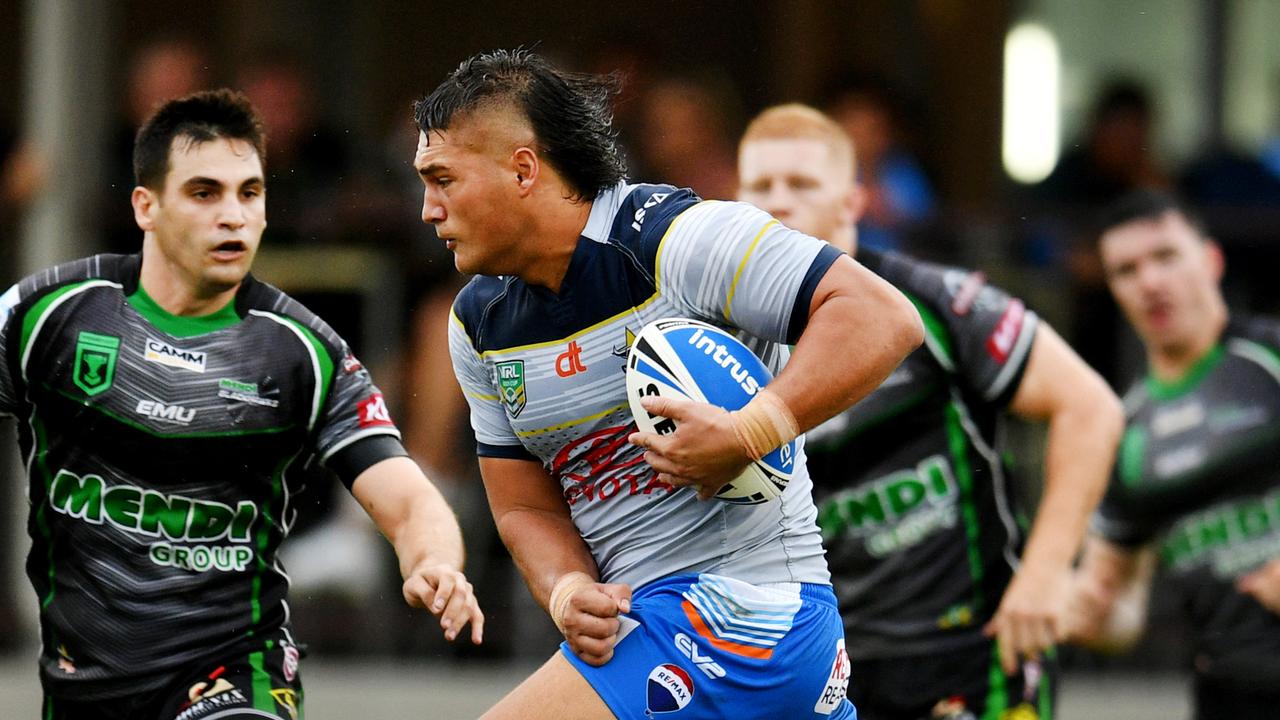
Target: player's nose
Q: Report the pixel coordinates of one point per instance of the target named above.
(432, 211)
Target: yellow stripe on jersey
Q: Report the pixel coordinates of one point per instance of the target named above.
(571, 423)
(733, 286)
(574, 336)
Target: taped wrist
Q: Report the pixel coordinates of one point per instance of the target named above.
(563, 592)
(764, 424)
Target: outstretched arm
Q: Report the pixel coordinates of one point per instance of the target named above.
(412, 514)
(859, 329)
(1109, 594)
(1085, 422)
(535, 525)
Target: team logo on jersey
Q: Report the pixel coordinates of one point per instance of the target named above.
(670, 688)
(511, 386)
(373, 411)
(95, 362)
(286, 698)
(621, 351)
(350, 364)
(166, 354)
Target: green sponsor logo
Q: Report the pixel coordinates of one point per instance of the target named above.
(895, 511)
(244, 392)
(511, 385)
(149, 512)
(95, 364)
(237, 386)
(1232, 537)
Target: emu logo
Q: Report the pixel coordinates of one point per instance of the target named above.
(165, 413)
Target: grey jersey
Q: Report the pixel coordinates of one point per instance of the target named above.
(543, 373)
(914, 500)
(161, 454)
(1198, 476)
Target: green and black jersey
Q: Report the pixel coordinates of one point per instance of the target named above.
(1198, 476)
(915, 505)
(160, 452)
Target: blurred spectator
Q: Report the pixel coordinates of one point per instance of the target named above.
(687, 138)
(1229, 179)
(897, 192)
(1116, 154)
(307, 162)
(159, 71)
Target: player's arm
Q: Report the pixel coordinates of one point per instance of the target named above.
(1085, 423)
(1264, 585)
(414, 516)
(535, 525)
(859, 328)
(1109, 595)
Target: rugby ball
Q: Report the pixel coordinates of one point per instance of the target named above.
(682, 358)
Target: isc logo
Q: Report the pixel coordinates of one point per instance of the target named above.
(168, 413)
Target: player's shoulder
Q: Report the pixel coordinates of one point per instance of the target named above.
(476, 300)
(266, 300)
(110, 269)
(948, 290)
(1259, 329)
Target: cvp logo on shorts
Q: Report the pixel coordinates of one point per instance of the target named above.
(837, 683)
(670, 689)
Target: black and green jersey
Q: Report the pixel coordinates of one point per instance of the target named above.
(915, 505)
(161, 453)
(1198, 475)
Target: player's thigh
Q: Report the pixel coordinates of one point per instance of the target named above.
(556, 691)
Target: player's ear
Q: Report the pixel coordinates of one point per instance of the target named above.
(525, 163)
(855, 202)
(1217, 260)
(145, 204)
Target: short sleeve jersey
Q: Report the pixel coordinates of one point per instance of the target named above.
(1198, 478)
(544, 375)
(915, 503)
(161, 453)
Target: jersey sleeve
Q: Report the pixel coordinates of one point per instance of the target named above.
(355, 410)
(8, 334)
(731, 263)
(989, 332)
(1118, 521)
(494, 434)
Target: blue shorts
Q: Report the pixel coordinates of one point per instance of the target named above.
(707, 646)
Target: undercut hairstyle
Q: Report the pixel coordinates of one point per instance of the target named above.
(1146, 205)
(571, 113)
(195, 119)
(801, 122)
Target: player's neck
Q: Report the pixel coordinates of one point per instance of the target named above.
(556, 228)
(1172, 362)
(164, 283)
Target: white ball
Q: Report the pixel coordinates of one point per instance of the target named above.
(682, 358)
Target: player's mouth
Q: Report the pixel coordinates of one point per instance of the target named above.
(230, 250)
(450, 243)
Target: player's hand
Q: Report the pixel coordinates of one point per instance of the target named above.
(1031, 617)
(590, 621)
(447, 594)
(703, 451)
(1088, 606)
(1264, 585)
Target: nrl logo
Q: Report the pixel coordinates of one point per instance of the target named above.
(511, 386)
(95, 364)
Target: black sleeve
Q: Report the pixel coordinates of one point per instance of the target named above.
(363, 454)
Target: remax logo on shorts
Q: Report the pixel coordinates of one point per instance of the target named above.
(670, 688)
(166, 354)
(837, 686)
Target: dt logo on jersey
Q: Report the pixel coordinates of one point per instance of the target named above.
(670, 689)
(95, 362)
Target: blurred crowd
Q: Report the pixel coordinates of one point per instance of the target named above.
(328, 192)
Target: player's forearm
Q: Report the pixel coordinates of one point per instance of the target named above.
(1082, 441)
(428, 535)
(861, 330)
(545, 546)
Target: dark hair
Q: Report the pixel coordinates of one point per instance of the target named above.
(199, 117)
(1122, 96)
(1145, 205)
(571, 113)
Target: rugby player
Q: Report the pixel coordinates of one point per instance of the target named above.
(1196, 489)
(915, 504)
(665, 601)
(165, 401)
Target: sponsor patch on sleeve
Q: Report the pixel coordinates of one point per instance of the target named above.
(1000, 342)
(373, 412)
